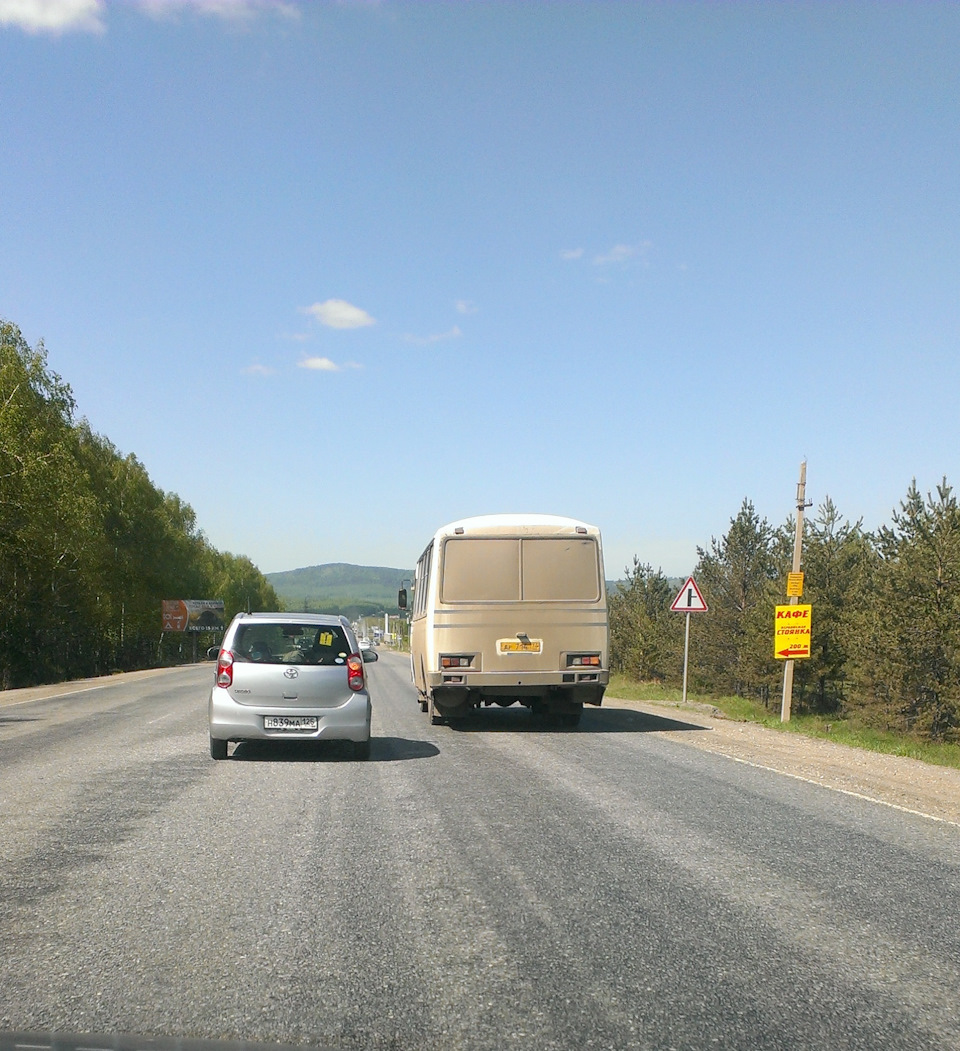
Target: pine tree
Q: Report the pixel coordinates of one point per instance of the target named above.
(908, 662)
(644, 637)
(731, 648)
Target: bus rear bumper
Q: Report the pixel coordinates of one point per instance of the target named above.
(537, 680)
(551, 690)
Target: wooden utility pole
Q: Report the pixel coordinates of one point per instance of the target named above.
(794, 599)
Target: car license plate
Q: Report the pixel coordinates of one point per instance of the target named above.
(290, 723)
(520, 645)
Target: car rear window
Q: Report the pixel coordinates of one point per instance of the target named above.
(291, 643)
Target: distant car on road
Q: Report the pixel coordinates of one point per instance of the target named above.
(284, 676)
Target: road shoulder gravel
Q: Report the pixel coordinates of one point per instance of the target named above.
(897, 781)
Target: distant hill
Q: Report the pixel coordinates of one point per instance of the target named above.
(338, 587)
(355, 591)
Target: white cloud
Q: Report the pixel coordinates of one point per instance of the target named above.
(464, 306)
(54, 16)
(258, 370)
(571, 253)
(319, 365)
(338, 313)
(326, 365)
(620, 253)
(88, 16)
(240, 12)
(438, 337)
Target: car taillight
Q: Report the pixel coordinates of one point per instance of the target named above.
(355, 671)
(225, 669)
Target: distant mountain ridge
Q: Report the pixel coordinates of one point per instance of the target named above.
(355, 591)
(339, 587)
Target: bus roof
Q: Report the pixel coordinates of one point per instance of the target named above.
(537, 525)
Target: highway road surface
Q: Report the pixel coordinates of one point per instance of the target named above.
(501, 884)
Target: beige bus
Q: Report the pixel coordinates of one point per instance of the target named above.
(507, 609)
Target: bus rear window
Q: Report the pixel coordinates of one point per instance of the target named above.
(547, 569)
(559, 568)
(481, 570)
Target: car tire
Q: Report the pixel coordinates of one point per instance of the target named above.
(218, 749)
(361, 749)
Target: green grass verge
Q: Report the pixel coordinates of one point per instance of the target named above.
(742, 709)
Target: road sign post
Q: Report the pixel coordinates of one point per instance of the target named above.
(688, 600)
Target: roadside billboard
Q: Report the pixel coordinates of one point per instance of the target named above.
(791, 632)
(192, 614)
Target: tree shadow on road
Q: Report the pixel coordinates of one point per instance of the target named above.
(382, 750)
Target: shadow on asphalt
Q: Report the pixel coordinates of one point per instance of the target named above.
(630, 721)
(601, 720)
(382, 750)
(18, 719)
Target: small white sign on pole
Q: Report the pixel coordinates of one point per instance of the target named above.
(688, 600)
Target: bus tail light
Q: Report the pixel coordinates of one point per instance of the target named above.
(583, 660)
(456, 661)
(355, 671)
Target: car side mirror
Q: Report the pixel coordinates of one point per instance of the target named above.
(402, 598)
(213, 653)
(369, 655)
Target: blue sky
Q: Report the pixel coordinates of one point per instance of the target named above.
(340, 273)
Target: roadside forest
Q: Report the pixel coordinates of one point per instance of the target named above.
(89, 546)
(885, 648)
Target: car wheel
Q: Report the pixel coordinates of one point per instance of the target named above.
(361, 749)
(218, 749)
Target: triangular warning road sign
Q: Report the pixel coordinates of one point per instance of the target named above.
(689, 599)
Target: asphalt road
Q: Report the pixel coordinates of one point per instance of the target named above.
(498, 885)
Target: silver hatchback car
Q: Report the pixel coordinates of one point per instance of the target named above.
(290, 676)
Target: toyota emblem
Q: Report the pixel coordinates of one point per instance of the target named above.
(291, 673)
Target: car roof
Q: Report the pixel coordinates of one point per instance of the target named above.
(296, 618)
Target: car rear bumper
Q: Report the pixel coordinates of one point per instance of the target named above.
(230, 721)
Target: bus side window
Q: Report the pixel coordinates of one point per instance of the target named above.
(422, 583)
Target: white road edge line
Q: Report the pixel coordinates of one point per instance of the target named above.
(842, 791)
(72, 693)
(51, 697)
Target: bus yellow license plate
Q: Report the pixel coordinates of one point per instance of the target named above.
(518, 646)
